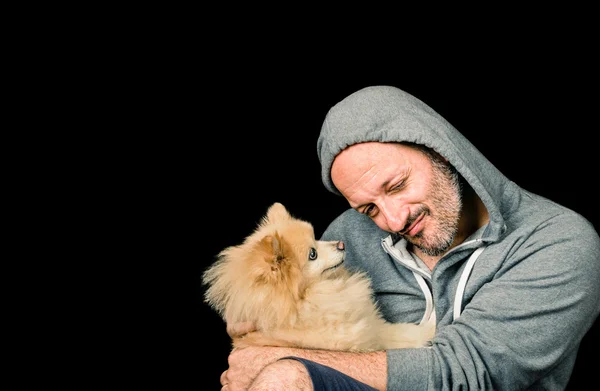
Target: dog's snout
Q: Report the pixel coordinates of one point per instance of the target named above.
(340, 245)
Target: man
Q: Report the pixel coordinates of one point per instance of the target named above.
(510, 277)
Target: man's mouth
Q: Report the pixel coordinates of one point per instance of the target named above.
(410, 230)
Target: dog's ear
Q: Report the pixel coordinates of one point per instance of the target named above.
(279, 271)
(277, 213)
(273, 249)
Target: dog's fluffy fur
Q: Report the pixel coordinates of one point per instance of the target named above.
(298, 294)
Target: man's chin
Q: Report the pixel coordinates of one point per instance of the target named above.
(427, 250)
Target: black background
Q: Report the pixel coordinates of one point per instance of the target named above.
(239, 133)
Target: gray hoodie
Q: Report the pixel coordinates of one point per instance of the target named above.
(510, 315)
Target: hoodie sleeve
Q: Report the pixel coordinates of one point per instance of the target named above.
(523, 323)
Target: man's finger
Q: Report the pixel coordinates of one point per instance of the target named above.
(240, 328)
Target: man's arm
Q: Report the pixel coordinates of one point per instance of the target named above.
(245, 364)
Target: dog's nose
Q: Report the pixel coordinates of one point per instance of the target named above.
(340, 245)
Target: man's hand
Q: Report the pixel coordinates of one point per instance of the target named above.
(246, 363)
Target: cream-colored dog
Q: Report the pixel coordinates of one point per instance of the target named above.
(297, 292)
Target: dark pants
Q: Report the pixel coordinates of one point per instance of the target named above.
(328, 379)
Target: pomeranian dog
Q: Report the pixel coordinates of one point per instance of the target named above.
(297, 293)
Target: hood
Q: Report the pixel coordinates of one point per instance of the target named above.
(388, 114)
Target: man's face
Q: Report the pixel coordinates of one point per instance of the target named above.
(403, 191)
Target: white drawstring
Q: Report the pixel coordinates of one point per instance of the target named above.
(428, 297)
(462, 283)
(388, 246)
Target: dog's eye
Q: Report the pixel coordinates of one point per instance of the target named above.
(312, 254)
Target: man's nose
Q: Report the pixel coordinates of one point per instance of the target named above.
(395, 216)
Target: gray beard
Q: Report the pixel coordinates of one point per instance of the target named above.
(438, 250)
(448, 231)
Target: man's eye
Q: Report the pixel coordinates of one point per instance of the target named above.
(399, 186)
(312, 254)
(369, 210)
